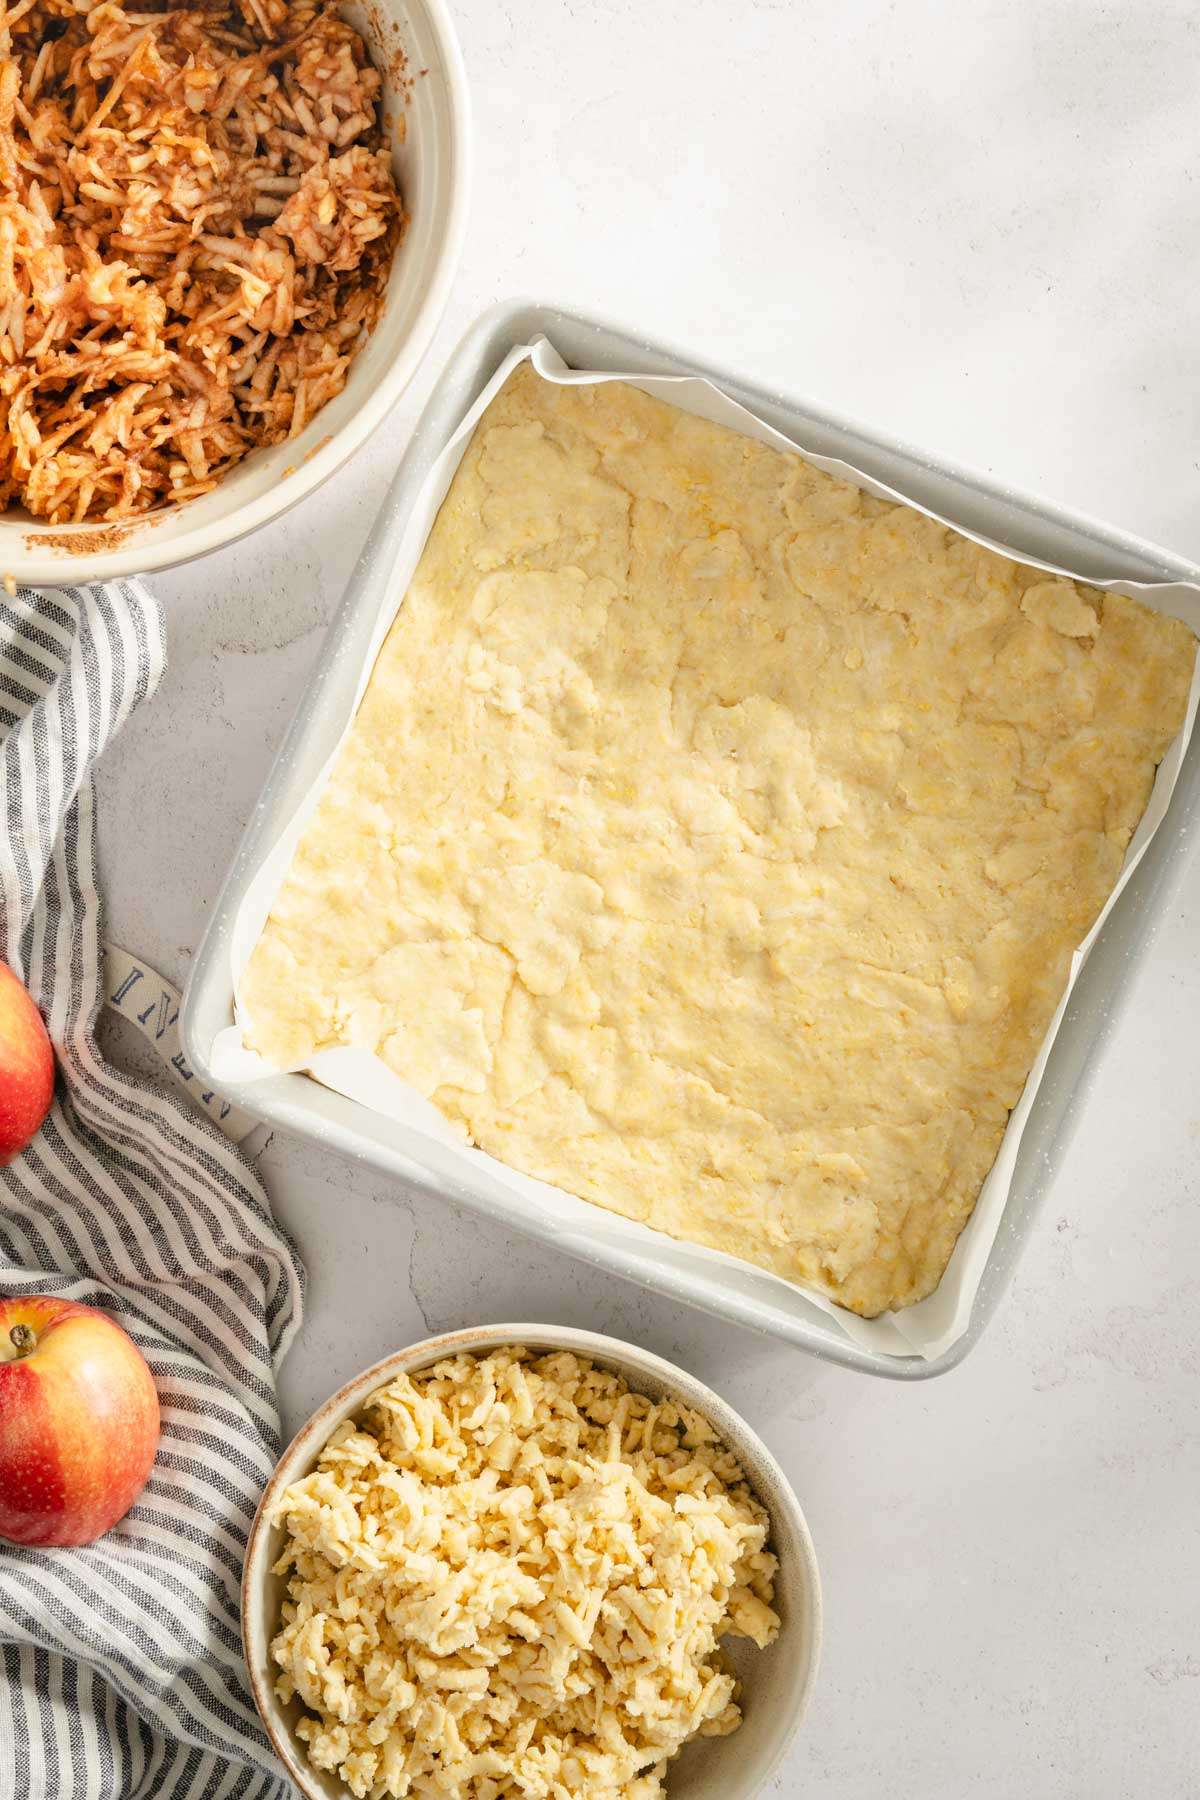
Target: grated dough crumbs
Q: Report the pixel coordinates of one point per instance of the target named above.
(508, 1582)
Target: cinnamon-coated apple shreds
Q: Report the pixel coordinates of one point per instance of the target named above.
(79, 1421)
(26, 1067)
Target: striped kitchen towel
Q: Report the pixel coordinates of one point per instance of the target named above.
(123, 1676)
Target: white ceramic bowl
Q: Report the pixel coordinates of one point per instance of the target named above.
(776, 1682)
(433, 169)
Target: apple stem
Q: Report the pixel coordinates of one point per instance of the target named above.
(23, 1339)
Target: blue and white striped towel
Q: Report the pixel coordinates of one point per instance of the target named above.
(123, 1676)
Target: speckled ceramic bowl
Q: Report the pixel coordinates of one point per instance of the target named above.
(776, 1682)
(413, 45)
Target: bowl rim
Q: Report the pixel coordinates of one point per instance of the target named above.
(600, 1347)
(48, 567)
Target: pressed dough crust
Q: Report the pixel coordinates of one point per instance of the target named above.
(712, 838)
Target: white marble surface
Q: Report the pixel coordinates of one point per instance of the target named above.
(975, 227)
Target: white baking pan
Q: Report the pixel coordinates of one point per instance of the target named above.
(730, 1290)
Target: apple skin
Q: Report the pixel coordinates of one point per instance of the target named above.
(26, 1067)
(79, 1422)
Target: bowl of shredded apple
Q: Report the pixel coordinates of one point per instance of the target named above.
(528, 1561)
(226, 240)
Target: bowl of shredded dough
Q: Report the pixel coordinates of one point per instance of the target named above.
(523, 1562)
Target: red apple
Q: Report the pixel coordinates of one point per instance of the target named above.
(78, 1421)
(26, 1067)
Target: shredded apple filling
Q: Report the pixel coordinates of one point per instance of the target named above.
(197, 216)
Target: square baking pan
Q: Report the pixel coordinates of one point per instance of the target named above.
(295, 1102)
